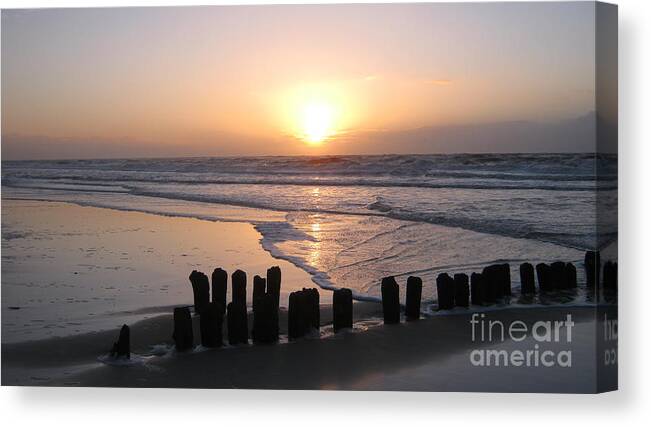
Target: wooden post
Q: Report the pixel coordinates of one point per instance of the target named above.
(558, 276)
(570, 275)
(342, 309)
(610, 276)
(273, 283)
(477, 289)
(543, 271)
(412, 302)
(210, 325)
(238, 328)
(122, 348)
(592, 263)
(219, 287)
(259, 289)
(445, 291)
(493, 290)
(265, 320)
(238, 288)
(314, 308)
(200, 290)
(505, 278)
(461, 290)
(390, 300)
(295, 327)
(182, 335)
(527, 279)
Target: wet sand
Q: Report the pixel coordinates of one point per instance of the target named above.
(427, 355)
(68, 269)
(72, 275)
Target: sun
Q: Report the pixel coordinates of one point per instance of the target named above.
(317, 122)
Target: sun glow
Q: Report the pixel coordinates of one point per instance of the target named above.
(314, 113)
(317, 122)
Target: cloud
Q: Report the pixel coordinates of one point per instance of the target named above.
(441, 82)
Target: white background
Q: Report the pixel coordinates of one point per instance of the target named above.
(630, 405)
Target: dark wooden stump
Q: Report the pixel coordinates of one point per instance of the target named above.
(445, 291)
(273, 283)
(259, 290)
(265, 320)
(295, 320)
(219, 287)
(505, 278)
(558, 276)
(342, 309)
(592, 263)
(493, 288)
(314, 308)
(610, 276)
(543, 271)
(570, 275)
(461, 290)
(527, 279)
(238, 288)
(210, 326)
(122, 348)
(200, 290)
(412, 301)
(477, 289)
(238, 328)
(390, 300)
(183, 337)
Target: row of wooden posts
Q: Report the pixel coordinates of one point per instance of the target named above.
(487, 287)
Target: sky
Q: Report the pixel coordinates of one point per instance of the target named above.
(319, 79)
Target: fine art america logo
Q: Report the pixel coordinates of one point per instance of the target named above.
(543, 333)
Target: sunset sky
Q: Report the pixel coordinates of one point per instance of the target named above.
(285, 79)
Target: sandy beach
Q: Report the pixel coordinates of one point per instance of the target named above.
(427, 355)
(68, 269)
(74, 275)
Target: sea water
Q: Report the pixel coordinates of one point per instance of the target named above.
(351, 220)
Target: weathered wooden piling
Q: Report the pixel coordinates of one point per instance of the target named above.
(210, 325)
(182, 335)
(461, 290)
(543, 274)
(302, 317)
(477, 289)
(610, 276)
(412, 301)
(592, 263)
(314, 307)
(238, 328)
(219, 287)
(259, 289)
(493, 287)
(122, 348)
(558, 276)
(295, 317)
(390, 300)
(570, 275)
(505, 278)
(265, 320)
(342, 309)
(445, 291)
(238, 288)
(527, 279)
(273, 283)
(200, 290)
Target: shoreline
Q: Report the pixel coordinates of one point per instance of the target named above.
(409, 356)
(74, 269)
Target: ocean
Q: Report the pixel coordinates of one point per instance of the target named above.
(348, 221)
